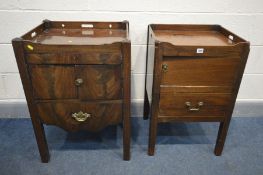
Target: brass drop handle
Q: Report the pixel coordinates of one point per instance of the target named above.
(193, 108)
(78, 81)
(165, 67)
(81, 116)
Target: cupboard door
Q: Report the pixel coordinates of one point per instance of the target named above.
(98, 82)
(53, 82)
(200, 72)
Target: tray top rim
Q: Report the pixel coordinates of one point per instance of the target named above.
(116, 27)
(230, 38)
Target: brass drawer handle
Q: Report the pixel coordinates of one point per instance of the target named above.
(193, 108)
(165, 67)
(81, 116)
(78, 81)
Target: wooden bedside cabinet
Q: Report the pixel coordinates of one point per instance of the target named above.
(76, 75)
(193, 74)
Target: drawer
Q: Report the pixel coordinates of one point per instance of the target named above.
(200, 72)
(86, 82)
(74, 58)
(194, 104)
(73, 116)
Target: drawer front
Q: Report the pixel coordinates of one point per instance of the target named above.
(194, 104)
(86, 82)
(73, 116)
(75, 58)
(53, 82)
(100, 82)
(200, 72)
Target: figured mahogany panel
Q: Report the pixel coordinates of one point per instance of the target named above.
(75, 58)
(98, 58)
(53, 82)
(212, 104)
(60, 114)
(200, 71)
(99, 82)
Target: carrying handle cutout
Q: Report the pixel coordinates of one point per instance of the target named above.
(87, 25)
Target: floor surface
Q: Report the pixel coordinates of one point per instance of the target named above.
(182, 148)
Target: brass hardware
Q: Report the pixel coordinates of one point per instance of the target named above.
(165, 67)
(81, 116)
(30, 47)
(78, 81)
(193, 108)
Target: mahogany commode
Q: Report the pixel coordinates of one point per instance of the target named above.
(76, 75)
(193, 74)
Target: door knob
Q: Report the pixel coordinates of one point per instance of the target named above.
(165, 67)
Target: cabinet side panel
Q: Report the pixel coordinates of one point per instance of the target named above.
(37, 125)
(150, 64)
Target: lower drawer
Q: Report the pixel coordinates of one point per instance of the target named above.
(194, 104)
(73, 116)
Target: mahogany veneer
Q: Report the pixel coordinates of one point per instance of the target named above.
(193, 74)
(76, 75)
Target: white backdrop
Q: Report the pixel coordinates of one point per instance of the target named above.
(244, 18)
